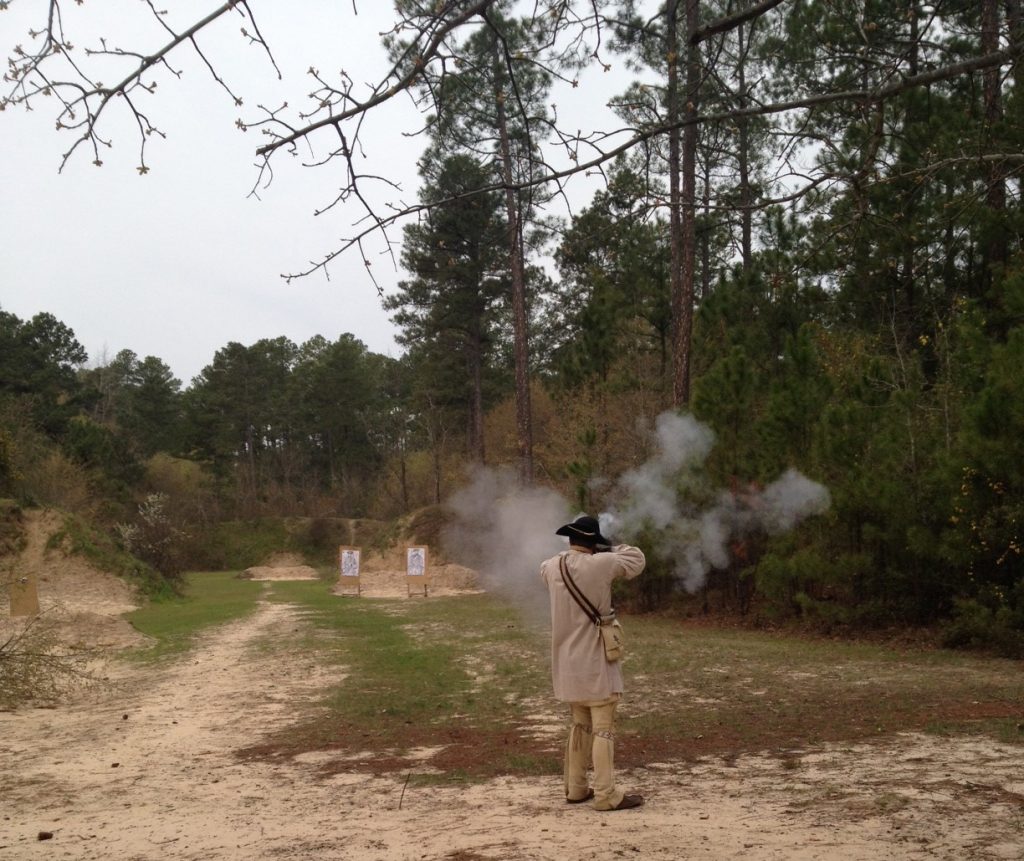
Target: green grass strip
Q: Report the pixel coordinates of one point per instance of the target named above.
(444, 662)
(210, 598)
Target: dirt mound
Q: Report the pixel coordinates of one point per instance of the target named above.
(426, 525)
(283, 560)
(81, 606)
(88, 630)
(279, 572)
(383, 575)
(281, 565)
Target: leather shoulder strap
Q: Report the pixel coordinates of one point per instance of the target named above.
(585, 604)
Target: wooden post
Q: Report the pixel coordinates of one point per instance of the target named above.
(24, 596)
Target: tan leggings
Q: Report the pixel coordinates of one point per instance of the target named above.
(592, 741)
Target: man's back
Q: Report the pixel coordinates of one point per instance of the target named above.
(579, 669)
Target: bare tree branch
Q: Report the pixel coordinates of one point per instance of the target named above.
(338, 106)
(21, 73)
(382, 95)
(731, 22)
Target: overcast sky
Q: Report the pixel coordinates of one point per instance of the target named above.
(181, 261)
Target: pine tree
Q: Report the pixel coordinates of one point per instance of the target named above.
(490, 107)
(449, 309)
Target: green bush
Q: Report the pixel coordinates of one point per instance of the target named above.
(998, 629)
(237, 544)
(153, 537)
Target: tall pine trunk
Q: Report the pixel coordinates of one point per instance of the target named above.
(476, 403)
(682, 192)
(688, 249)
(743, 157)
(995, 196)
(520, 341)
(675, 112)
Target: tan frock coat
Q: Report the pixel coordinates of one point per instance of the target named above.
(579, 670)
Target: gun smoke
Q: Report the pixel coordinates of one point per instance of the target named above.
(505, 531)
(656, 502)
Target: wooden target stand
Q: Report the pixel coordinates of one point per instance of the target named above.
(416, 577)
(24, 596)
(349, 561)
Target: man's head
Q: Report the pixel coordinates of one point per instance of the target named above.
(584, 531)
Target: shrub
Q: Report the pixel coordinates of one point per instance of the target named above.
(36, 667)
(77, 536)
(236, 544)
(154, 538)
(998, 629)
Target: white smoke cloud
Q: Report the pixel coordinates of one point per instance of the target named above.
(791, 498)
(652, 500)
(505, 531)
(682, 441)
(681, 446)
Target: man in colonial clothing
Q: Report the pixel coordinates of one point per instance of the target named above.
(582, 675)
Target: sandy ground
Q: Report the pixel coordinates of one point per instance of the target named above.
(80, 606)
(144, 767)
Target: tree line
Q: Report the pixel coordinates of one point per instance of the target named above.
(809, 237)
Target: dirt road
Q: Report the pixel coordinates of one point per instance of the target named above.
(145, 768)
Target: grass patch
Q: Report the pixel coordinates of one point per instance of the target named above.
(461, 673)
(400, 679)
(1008, 730)
(695, 691)
(209, 599)
(446, 778)
(466, 678)
(449, 672)
(528, 763)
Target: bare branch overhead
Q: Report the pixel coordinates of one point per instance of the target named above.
(730, 22)
(428, 53)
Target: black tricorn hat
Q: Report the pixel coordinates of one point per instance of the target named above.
(585, 529)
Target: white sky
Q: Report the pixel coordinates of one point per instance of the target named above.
(181, 261)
